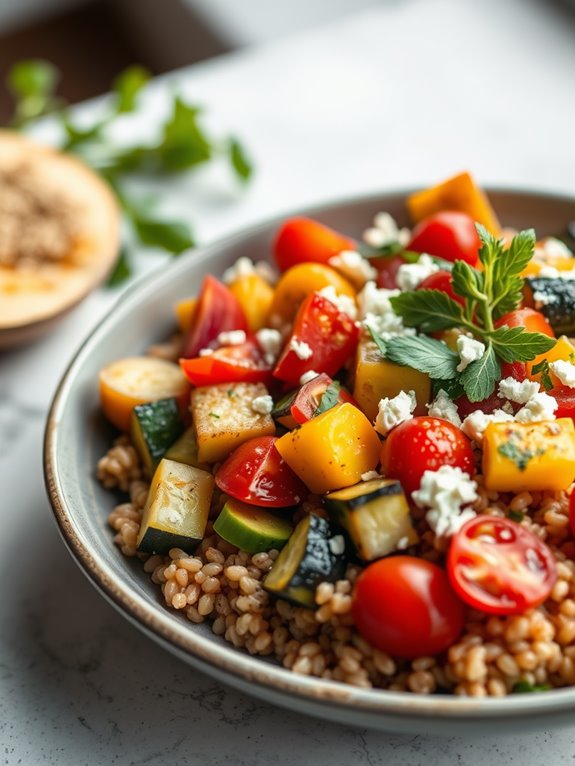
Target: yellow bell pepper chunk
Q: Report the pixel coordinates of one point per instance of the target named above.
(184, 312)
(298, 282)
(458, 193)
(562, 350)
(376, 378)
(255, 296)
(529, 456)
(332, 450)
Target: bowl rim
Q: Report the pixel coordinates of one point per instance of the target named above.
(204, 651)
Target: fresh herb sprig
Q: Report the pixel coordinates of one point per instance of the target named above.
(489, 293)
(183, 144)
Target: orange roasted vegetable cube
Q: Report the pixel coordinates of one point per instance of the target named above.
(332, 450)
(300, 281)
(562, 351)
(255, 296)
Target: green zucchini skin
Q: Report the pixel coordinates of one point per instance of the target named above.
(161, 542)
(154, 428)
(316, 552)
(250, 528)
(560, 313)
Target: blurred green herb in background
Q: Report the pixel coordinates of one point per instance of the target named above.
(183, 145)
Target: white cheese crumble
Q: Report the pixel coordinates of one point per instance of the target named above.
(307, 376)
(270, 342)
(232, 338)
(445, 492)
(519, 391)
(244, 267)
(544, 299)
(475, 424)
(402, 543)
(540, 407)
(353, 266)
(548, 272)
(337, 545)
(469, 350)
(565, 371)
(392, 412)
(263, 404)
(343, 303)
(444, 407)
(205, 352)
(508, 408)
(377, 313)
(301, 349)
(411, 275)
(551, 247)
(385, 231)
(369, 475)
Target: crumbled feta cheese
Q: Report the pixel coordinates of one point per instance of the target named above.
(469, 350)
(344, 303)
(337, 545)
(353, 266)
(244, 267)
(411, 275)
(444, 407)
(475, 424)
(205, 352)
(232, 338)
(377, 313)
(445, 492)
(508, 408)
(307, 376)
(266, 271)
(392, 412)
(548, 272)
(516, 390)
(565, 371)
(540, 407)
(385, 231)
(544, 299)
(551, 247)
(263, 404)
(402, 543)
(369, 475)
(301, 349)
(270, 342)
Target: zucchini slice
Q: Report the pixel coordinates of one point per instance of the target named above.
(153, 428)
(282, 410)
(314, 553)
(250, 528)
(176, 511)
(375, 514)
(185, 450)
(555, 299)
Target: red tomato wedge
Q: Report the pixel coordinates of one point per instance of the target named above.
(450, 235)
(565, 397)
(217, 310)
(311, 394)
(302, 240)
(230, 364)
(330, 335)
(256, 473)
(499, 567)
(387, 269)
(405, 606)
(530, 319)
(441, 281)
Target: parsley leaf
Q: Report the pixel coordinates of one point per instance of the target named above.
(516, 344)
(329, 399)
(240, 162)
(33, 84)
(428, 310)
(478, 378)
(423, 354)
(543, 368)
(173, 236)
(127, 86)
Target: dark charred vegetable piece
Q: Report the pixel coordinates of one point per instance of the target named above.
(556, 301)
(154, 427)
(250, 528)
(375, 514)
(314, 553)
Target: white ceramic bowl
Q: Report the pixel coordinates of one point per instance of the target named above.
(76, 436)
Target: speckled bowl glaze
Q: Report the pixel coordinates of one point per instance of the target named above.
(76, 436)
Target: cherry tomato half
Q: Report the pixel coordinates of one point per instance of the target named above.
(565, 396)
(256, 473)
(311, 394)
(406, 607)
(449, 235)
(243, 363)
(441, 281)
(499, 567)
(424, 444)
(217, 310)
(530, 319)
(300, 240)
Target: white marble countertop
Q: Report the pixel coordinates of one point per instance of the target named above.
(405, 94)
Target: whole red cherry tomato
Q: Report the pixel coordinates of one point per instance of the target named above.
(424, 444)
(441, 281)
(449, 235)
(300, 240)
(530, 319)
(256, 473)
(499, 567)
(406, 607)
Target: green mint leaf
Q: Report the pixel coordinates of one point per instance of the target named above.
(424, 354)
(452, 388)
(33, 83)
(173, 236)
(479, 378)
(429, 310)
(329, 399)
(240, 162)
(379, 342)
(127, 86)
(466, 281)
(122, 270)
(543, 369)
(184, 143)
(515, 344)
